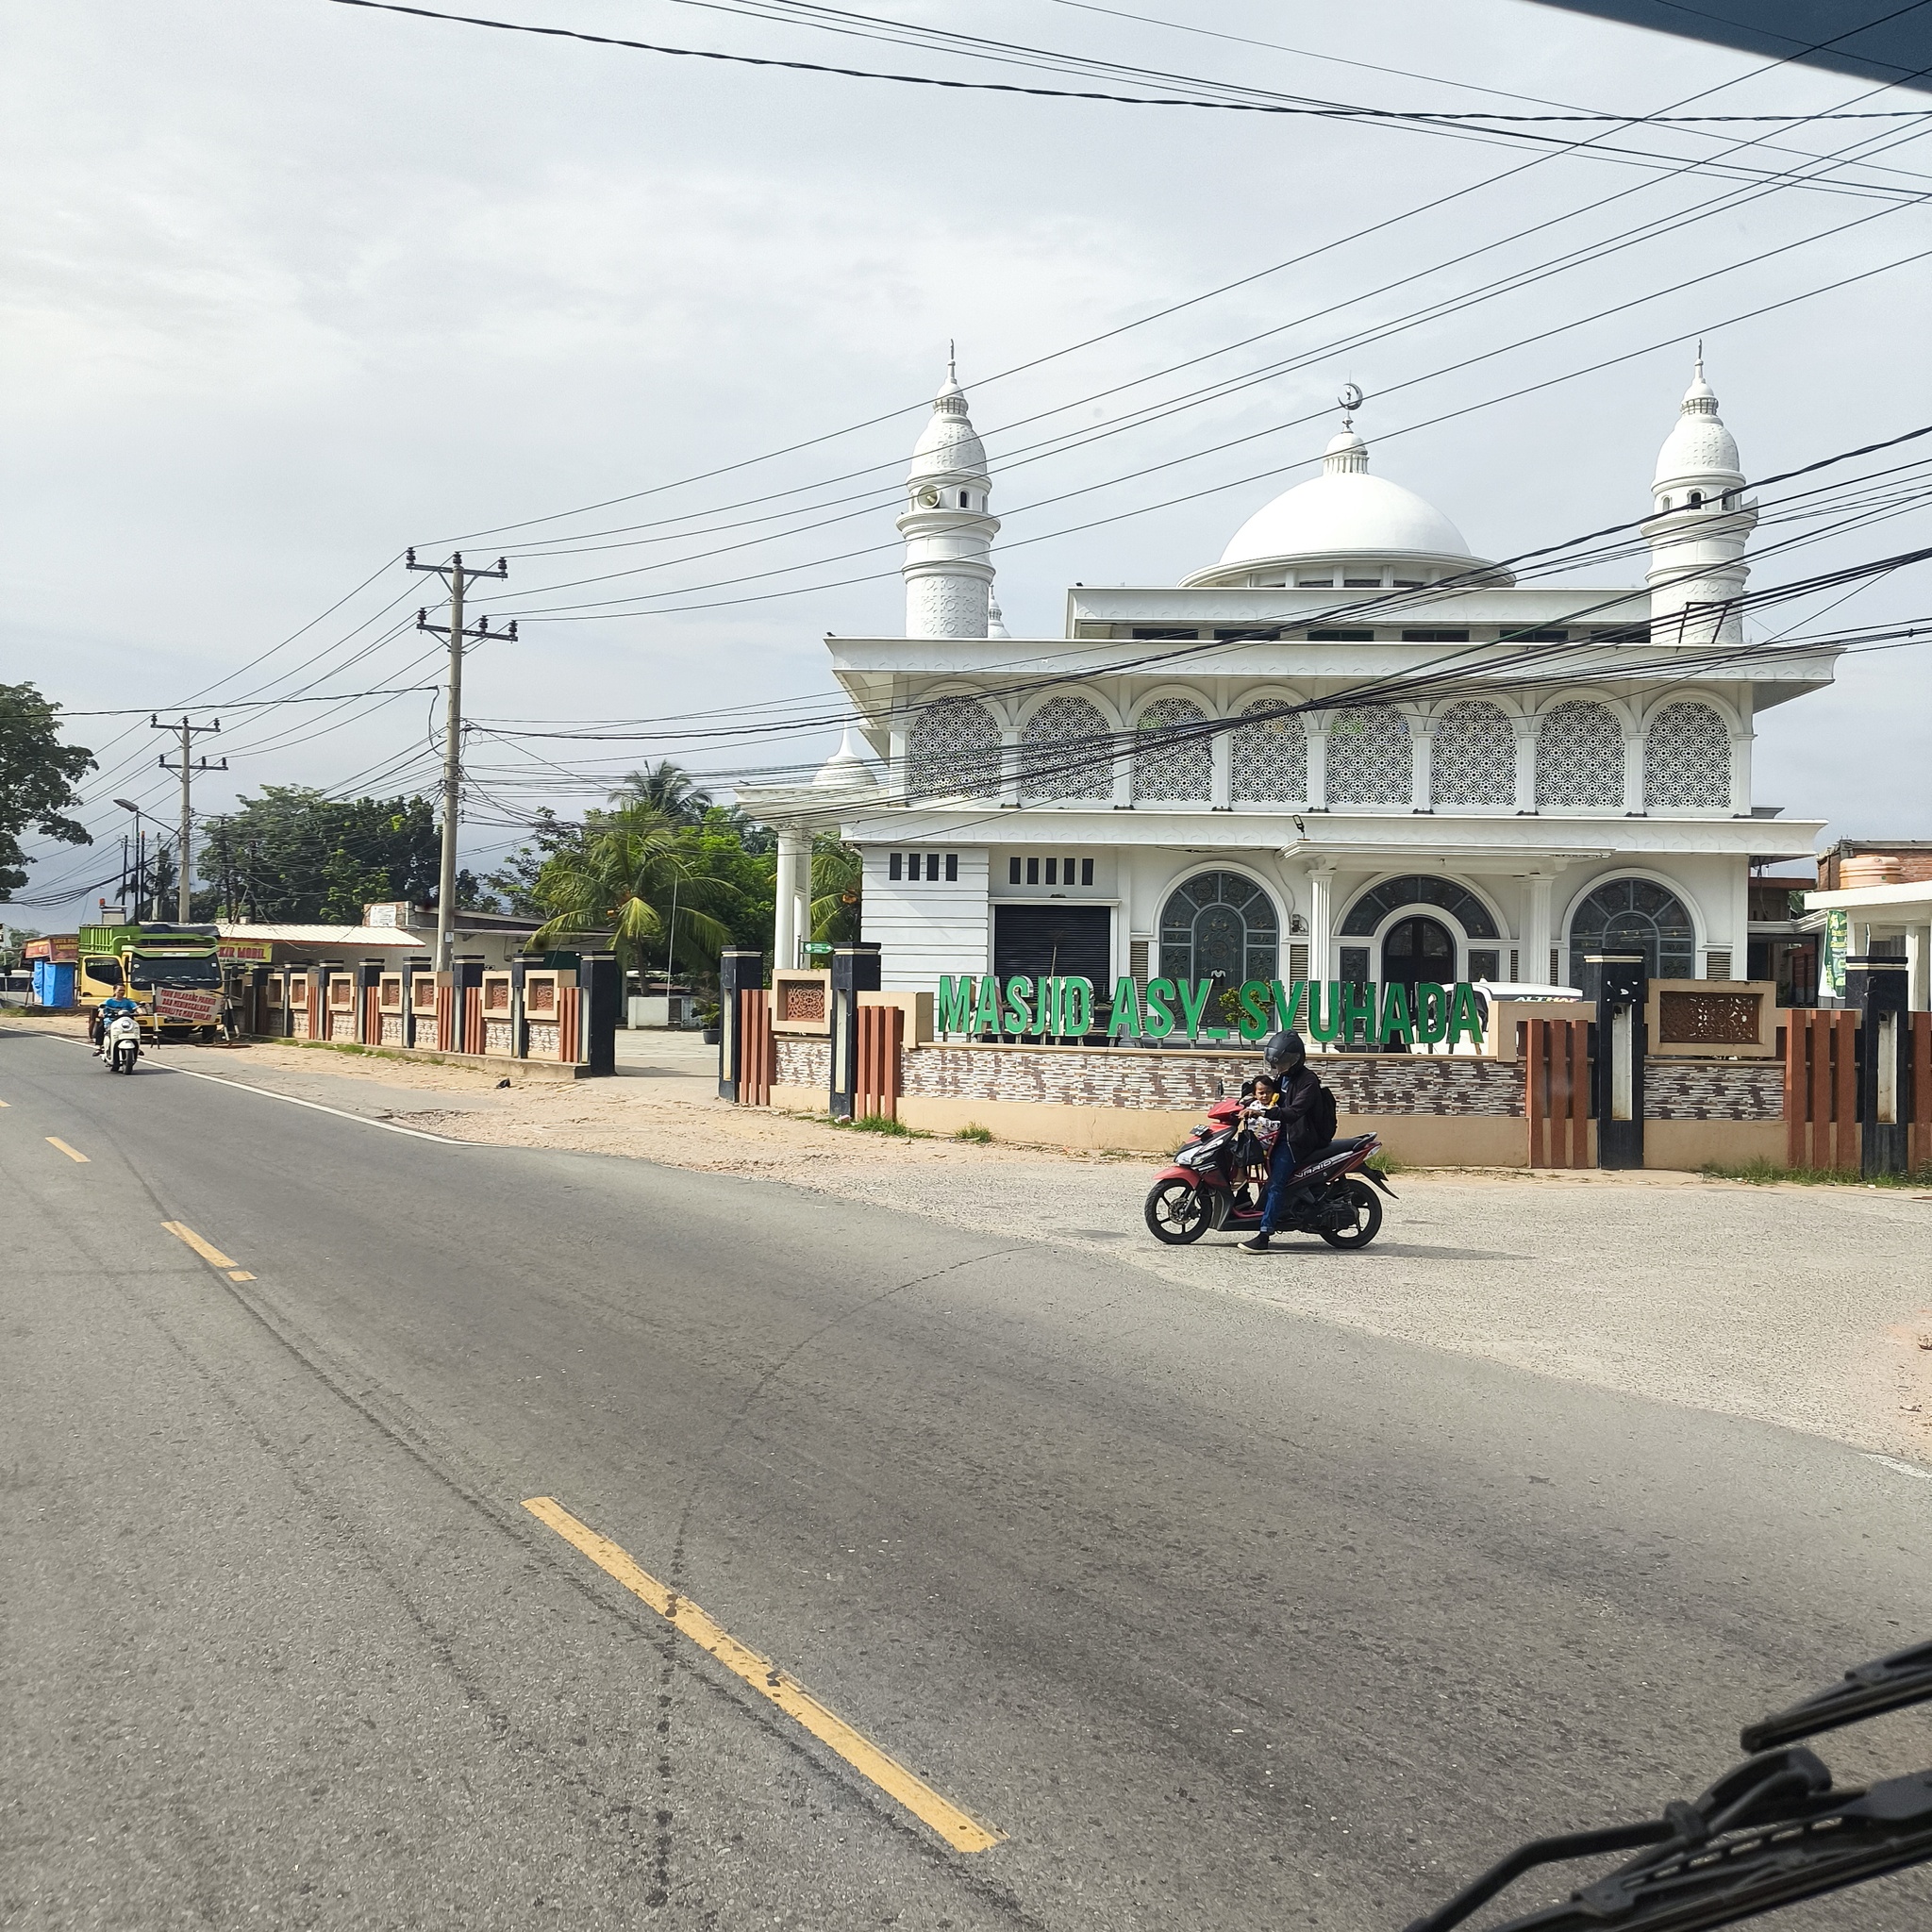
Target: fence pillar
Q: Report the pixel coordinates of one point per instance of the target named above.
(368, 995)
(466, 1004)
(414, 969)
(1619, 982)
(518, 1021)
(739, 969)
(600, 997)
(855, 970)
(1878, 990)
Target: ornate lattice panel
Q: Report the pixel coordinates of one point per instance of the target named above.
(1708, 1019)
(1167, 772)
(1579, 757)
(954, 747)
(1476, 757)
(1065, 752)
(1269, 759)
(1687, 761)
(1369, 758)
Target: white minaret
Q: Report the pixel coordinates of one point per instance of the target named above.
(948, 568)
(1700, 529)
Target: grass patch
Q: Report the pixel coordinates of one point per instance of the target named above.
(1387, 1163)
(1764, 1173)
(973, 1131)
(880, 1123)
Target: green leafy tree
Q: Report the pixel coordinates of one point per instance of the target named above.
(632, 865)
(294, 855)
(37, 775)
(837, 876)
(669, 789)
(512, 887)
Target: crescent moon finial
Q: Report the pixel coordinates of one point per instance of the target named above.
(1351, 400)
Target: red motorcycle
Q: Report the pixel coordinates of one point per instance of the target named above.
(1208, 1186)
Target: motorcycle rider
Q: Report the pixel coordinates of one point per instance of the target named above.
(1296, 1105)
(105, 1015)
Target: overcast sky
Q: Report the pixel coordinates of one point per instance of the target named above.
(289, 286)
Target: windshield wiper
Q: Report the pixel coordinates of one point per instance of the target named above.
(1770, 1832)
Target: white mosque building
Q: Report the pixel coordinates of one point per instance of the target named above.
(1136, 796)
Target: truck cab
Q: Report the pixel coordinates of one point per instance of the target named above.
(172, 973)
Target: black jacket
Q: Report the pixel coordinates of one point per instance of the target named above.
(1295, 1110)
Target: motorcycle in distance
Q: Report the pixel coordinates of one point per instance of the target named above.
(120, 1044)
(1206, 1187)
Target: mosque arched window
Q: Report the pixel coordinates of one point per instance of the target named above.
(1369, 762)
(1220, 923)
(1687, 759)
(1269, 757)
(1579, 755)
(1475, 760)
(954, 746)
(1066, 750)
(1170, 770)
(1634, 916)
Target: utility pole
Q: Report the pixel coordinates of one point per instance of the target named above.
(459, 576)
(187, 768)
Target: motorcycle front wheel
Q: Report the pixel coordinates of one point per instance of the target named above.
(1176, 1213)
(1365, 1204)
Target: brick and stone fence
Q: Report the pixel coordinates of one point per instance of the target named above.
(1722, 1077)
(558, 1020)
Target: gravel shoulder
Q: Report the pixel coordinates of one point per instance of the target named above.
(1809, 1308)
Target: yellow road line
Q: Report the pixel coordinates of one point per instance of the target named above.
(72, 1152)
(207, 1250)
(240, 1274)
(964, 1834)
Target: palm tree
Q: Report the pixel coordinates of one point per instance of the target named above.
(836, 876)
(666, 788)
(634, 866)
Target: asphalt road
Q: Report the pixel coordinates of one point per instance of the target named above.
(1223, 1616)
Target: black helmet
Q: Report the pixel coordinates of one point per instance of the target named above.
(1283, 1052)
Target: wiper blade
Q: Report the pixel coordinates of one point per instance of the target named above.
(1856, 1837)
(1888, 1683)
(1770, 1832)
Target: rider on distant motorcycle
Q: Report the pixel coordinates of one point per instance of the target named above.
(105, 1014)
(1298, 1106)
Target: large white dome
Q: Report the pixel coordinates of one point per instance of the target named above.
(1343, 513)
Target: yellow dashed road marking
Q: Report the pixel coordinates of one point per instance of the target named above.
(72, 1152)
(964, 1834)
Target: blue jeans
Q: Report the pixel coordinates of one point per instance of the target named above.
(1280, 1185)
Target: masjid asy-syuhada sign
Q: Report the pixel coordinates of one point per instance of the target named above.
(1062, 1006)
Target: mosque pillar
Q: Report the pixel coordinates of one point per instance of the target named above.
(1010, 764)
(1633, 772)
(1221, 771)
(897, 772)
(1318, 763)
(1525, 764)
(792, 913)
(1320, 918)
(1741, 776)
(1421, 771)
(1536, 936)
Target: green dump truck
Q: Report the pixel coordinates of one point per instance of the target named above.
(171, 973)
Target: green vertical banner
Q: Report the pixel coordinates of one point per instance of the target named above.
(1831, 964)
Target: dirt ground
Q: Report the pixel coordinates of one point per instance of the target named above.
(1805, 1307)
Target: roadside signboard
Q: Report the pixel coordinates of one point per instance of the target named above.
(247, 952)
(189, 1003)
(63, 949)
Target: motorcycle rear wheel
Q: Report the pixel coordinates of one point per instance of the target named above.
(1176, 1213)
(1366, 1206)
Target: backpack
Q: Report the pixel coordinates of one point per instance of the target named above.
(1322, 1118)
